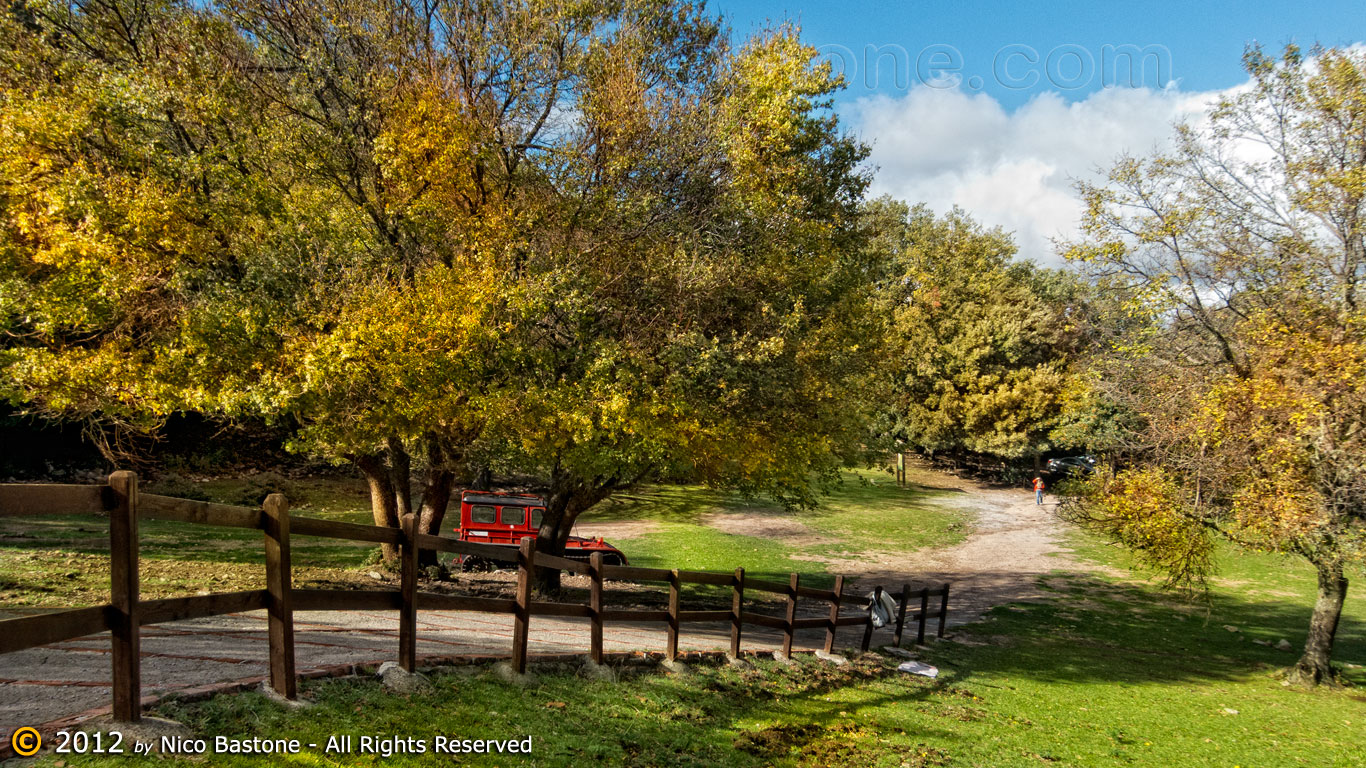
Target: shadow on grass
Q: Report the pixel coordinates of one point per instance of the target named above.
(1093, 630)
(710, 717)
(863, 490)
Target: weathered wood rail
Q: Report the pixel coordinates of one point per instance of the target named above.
(126, 612)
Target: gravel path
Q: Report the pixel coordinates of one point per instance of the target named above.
(1014, 542)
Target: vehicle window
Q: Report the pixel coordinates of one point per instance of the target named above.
(536, 515)
(482, 514)
(514, 515)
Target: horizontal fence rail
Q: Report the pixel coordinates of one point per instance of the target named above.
(126, 613)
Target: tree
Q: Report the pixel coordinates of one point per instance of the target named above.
(716, 322)
(983, 343)
(591, 242)
(1240, 258)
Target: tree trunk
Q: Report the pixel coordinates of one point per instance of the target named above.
(383, 503)
(1314, 667)
(569, 497)
(435, 497)
(401, 469)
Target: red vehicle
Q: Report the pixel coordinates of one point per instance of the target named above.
(505, 519)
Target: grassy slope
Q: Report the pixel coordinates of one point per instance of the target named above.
(1059, 686)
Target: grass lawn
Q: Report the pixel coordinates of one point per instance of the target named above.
(62, 560)
(866, 512)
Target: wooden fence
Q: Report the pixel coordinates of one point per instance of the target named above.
(126, 613)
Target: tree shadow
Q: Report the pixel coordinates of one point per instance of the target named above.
(1087, 629)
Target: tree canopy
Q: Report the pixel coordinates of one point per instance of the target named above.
(983, 343)
(594, 243)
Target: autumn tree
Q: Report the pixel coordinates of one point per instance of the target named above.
(122, 190)
(593, 243)
(710, 314)
(982, 342)
(1240, 253)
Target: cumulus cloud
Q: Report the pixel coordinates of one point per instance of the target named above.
(945, 147)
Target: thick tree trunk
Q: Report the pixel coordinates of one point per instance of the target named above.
(401, 471)
(547, 580)
(568, 499)
(435, 497)
(383, 502)
(1314, 667)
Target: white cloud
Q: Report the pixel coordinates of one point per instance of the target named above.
(944, 147)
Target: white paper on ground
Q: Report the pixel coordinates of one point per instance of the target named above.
(919, 668)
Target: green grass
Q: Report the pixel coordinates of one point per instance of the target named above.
(62, 560)
(699, 548)
(866, 512)
(1080, 680)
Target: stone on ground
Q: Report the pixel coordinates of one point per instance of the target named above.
(507, 674)
(832, 658)
(270, 693)
(595, 671)
(401, 682)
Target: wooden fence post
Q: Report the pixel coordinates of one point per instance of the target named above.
(526, 561)
(736, 605)
(280, 605)
(671, 648)
(901, 467)
(868, 627)
(123, 597)
(943, 610)
(407, 612)
(924, 614)
(901, 613)
(792, 583)
(832, 625)
(595, 607)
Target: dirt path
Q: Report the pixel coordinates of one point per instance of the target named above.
(1013, 542)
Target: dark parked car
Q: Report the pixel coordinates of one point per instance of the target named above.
(1071, 465)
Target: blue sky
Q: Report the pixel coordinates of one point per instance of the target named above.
(1201, 43)
(999, 108)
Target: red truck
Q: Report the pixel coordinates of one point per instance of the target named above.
(504, 519)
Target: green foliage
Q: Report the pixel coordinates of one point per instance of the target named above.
(982, 343)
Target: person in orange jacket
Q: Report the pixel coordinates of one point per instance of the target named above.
(1038, 491)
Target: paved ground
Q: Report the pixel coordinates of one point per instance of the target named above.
(1014, 541)
(62, 679)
